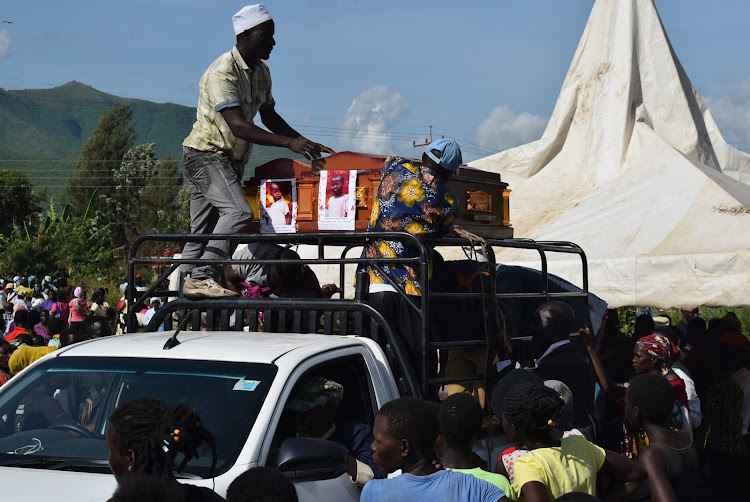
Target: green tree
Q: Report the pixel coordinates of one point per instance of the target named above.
(101, 156)
(60, 241)
(144, 198)
(160, 200)
(18, 204)
(122, 206)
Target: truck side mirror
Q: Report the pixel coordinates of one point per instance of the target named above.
(308, 459)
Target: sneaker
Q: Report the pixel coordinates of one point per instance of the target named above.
(207, 288)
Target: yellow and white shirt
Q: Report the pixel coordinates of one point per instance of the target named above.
(229, 82)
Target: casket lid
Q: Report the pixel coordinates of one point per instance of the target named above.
(343, 161)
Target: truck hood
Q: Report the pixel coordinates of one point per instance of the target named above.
(42, 484)
(20, 483)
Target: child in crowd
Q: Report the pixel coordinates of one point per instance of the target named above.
(405, 433)
(261, 484)
(460, 419)
(554, 467)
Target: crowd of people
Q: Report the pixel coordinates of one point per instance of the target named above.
(659, 414)
(639, 439)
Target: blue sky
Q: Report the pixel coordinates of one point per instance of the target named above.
(370, 75)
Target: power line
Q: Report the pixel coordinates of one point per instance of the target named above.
(340, 132)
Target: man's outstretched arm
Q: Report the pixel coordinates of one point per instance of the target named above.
(283, 135)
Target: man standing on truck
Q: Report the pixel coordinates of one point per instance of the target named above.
(233, 90)
(413, 197)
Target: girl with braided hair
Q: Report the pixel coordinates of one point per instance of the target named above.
(554, 467)
(144, 437)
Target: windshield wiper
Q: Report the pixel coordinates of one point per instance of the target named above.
(186, 475)
(77, 463)
(31, 461)
(53, 463)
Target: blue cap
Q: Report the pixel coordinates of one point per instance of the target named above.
(450, 153)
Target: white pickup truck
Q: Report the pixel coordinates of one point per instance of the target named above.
(238, 381)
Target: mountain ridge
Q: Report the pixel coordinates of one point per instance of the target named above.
(42, 131)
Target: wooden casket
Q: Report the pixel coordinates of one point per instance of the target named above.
(483, 197)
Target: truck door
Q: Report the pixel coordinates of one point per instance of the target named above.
(353, 368)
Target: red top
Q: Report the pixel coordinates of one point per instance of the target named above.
(678, 387)
(13, 334)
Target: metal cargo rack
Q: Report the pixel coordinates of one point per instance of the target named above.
(339, 316)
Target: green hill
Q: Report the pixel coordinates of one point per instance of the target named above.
(42, 130)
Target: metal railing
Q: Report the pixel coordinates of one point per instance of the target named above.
(338, 316)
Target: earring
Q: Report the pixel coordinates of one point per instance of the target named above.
(130, 468)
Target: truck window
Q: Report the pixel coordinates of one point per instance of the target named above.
(303, 414)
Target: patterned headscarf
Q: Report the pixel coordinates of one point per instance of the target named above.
(659, 346)
(314, 391)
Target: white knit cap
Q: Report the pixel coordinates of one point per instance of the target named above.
(250, 17)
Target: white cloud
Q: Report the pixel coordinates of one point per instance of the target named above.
(369, 120)
(6, 44)
(504, 129)
(732, 115)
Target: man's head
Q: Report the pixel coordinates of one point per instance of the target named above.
(69, 337)
(689, 315)
(55, 326)
(460, 418)
(443, 156)
(284, 277)
(94, 327)
(337, 184)
(650, 398)
(254, 29)
(405, 432)
(6, 349)
(552, 322)
(315, 400)
(23, 339)
(21, 318)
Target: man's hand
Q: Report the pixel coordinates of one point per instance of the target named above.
(309, 149)
(585, 336)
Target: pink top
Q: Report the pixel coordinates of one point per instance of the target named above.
(61, 310)
(80, 313)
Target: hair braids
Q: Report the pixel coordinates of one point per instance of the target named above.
(156, 433)
(533, 408)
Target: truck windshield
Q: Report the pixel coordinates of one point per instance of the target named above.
(56, 416)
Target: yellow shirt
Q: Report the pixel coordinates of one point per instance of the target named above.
(229, 82)
(496, 479)
(570, 467)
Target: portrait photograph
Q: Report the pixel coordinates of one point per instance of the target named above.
(337, 200)
(278, 206)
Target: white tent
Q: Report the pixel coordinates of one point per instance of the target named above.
(633, 168)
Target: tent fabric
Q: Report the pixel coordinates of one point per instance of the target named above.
(633, 168)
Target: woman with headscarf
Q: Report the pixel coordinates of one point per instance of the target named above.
(652, 354)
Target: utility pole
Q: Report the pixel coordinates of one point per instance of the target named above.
(426, 142)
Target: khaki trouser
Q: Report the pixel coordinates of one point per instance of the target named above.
(465, 362)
